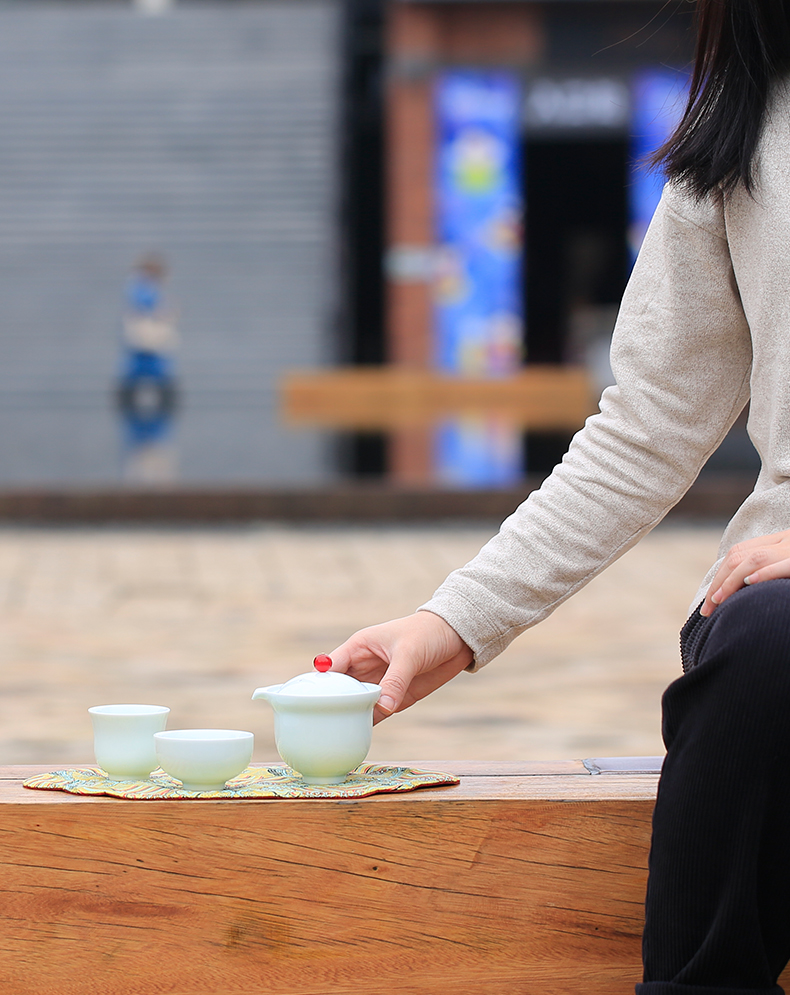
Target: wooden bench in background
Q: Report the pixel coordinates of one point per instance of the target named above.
(381, 398)
(525, 879)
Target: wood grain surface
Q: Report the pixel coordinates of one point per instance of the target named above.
(521, 879)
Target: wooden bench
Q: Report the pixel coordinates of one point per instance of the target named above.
(381, 398)
(525, 878)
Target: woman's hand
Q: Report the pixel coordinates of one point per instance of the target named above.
(409, 657)
(763, 558)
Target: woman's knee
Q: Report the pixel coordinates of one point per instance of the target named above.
(751, 632)
(738, 687)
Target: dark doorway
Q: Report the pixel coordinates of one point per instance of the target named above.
(576, 260)
(361, 333)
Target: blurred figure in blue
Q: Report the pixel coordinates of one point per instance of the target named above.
(148, 391)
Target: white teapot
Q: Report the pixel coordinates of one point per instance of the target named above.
(323, 722)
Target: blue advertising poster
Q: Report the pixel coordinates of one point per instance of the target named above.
(478, 295)
(658, 101)
(478, 299)
(479, 452)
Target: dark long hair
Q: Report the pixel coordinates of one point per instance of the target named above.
(742, 46)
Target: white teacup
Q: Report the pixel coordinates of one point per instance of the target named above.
(123, 738)
(204, 759)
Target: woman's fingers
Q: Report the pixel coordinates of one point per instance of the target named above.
(774, 571)
(397, 694)
(360, 656)
(423, 684)
(762, 558)
(409, 657)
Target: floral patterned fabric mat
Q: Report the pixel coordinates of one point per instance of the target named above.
(254, 782)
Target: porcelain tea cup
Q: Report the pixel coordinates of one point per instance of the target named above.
(323, 723)
(123, 738)
(204, 759)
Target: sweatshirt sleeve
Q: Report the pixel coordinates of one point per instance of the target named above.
(681, 356)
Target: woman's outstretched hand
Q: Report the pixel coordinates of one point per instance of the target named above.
(409, 657)
(763, 558)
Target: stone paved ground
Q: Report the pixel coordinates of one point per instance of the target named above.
(196, 619)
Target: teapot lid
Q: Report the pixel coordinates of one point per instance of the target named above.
(314, 683)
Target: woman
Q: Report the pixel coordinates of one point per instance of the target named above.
(704, 327)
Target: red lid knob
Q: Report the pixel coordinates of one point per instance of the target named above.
(322, 663)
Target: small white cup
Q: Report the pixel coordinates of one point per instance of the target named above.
(204, 759)
(123, 738)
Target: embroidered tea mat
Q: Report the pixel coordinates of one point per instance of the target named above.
(254, 782)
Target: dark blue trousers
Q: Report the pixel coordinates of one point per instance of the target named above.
(718, 897)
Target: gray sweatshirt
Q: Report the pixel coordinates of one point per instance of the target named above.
(703, 328)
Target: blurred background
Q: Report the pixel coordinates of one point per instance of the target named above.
(323, 263)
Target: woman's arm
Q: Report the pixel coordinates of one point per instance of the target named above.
(681, 355)
(682, 358)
